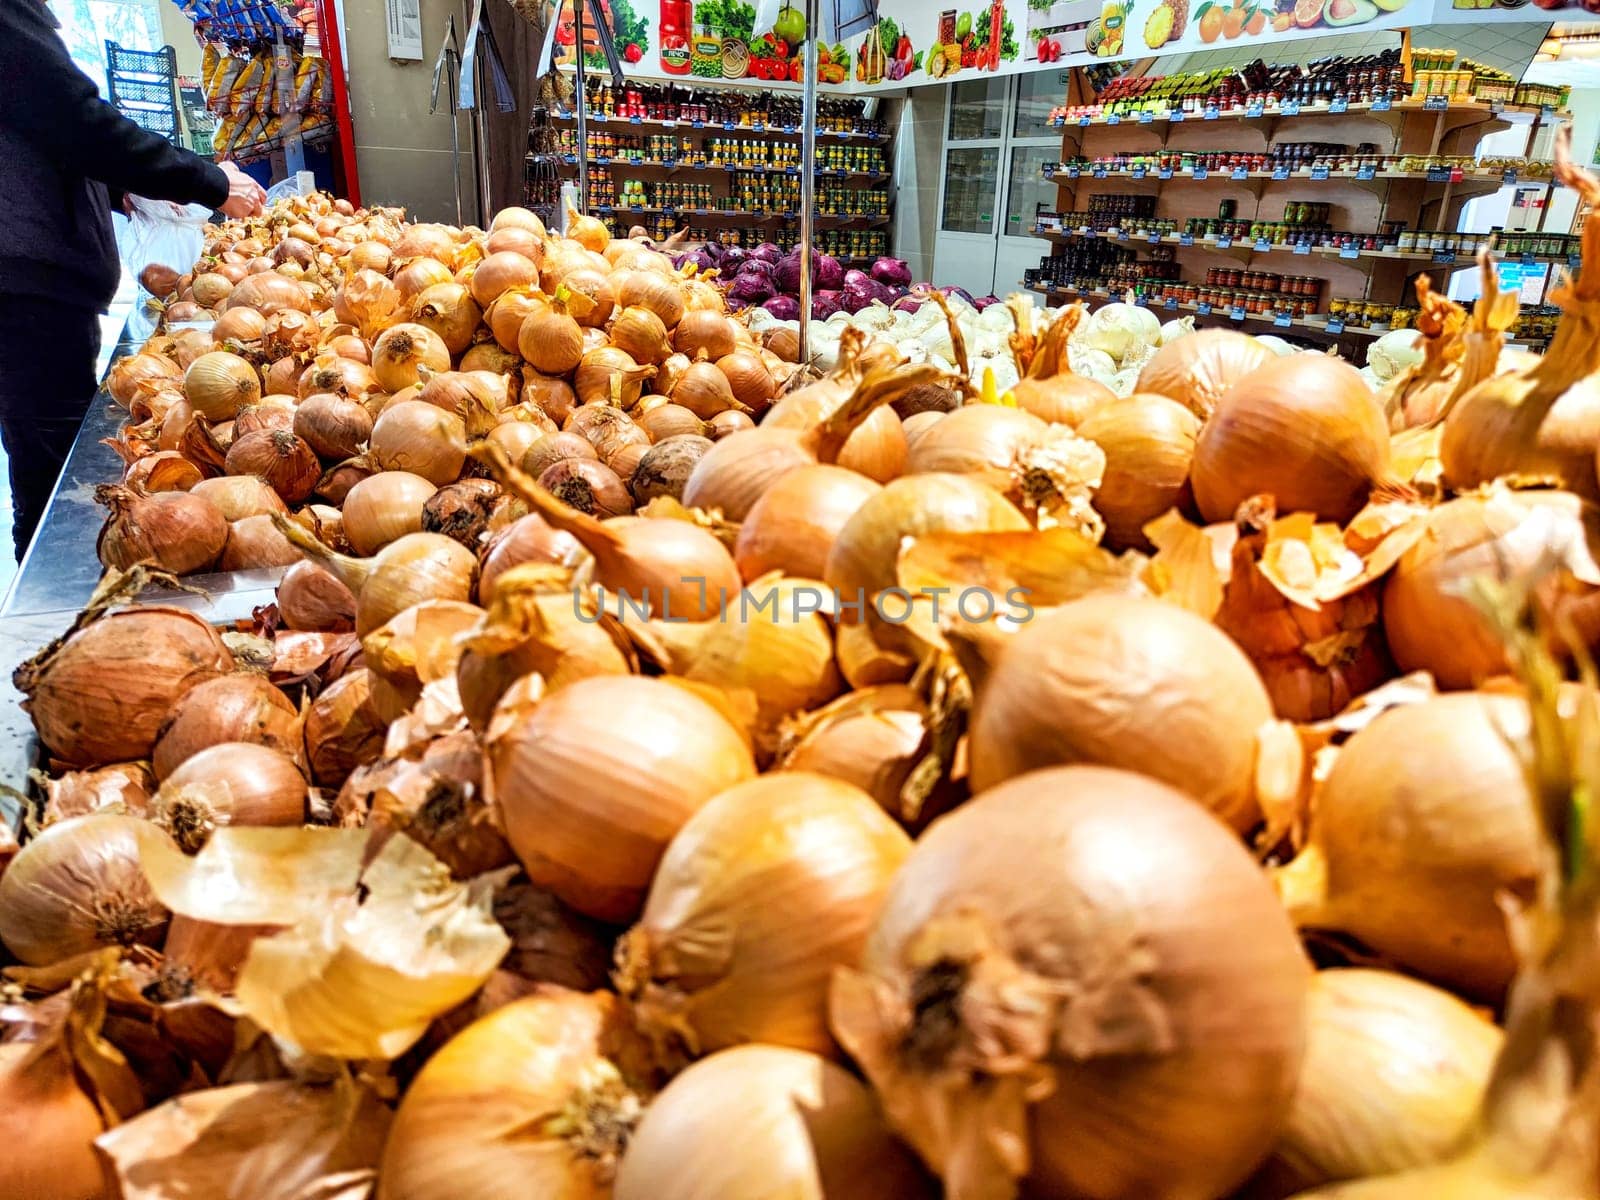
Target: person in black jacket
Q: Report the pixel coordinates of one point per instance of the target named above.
(66, 156)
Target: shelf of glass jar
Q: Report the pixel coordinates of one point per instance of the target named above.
(759, 129)
(826, 220)
(1334, 108)
(1150, 166)
(674, 166)
(1452, 247)
(673, 153)
(852, 247)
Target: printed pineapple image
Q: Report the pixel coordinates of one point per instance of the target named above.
(1166, 23)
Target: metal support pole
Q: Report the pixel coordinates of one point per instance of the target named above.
(583, 103)
(808, 176)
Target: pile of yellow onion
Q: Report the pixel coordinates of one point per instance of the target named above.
(670, 772)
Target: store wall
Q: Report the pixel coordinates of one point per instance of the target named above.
(919, 153)
(177, 32)
(403, 152)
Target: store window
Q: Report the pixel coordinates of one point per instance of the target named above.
(978, 110)
(1037, 95)
(970, 191)
(1027, 189)
(87, 25)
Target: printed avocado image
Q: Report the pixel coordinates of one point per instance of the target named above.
(1349, 12)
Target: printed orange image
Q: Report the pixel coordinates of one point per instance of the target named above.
(1233, 22)
(1211, 21)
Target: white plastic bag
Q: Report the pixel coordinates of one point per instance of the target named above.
(170, 235)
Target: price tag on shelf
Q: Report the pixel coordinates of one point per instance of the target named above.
(635, 121)
(1280, 172)
(1335, 325)
(1175, 114)
(1444, 256)
(1546, 111)
(697, 124)
(669, 124)
(1508, 176)
(1146, 117)
(1338, 105)
(569, 159)
(1236, 313)
(1224, 243)
(1073, 172)
(1349, 251)
(1435, 103)
(1438, 174)
(1099, 172)
(636, 207)
(1122, 235)
(1574, 261)
(1302, 247)
(1283, 320)
(1199, 172)
(1319, 173)
(1252, 111)
(1211, 114)
(1186, 239)
(1262, 245)
(1170, 304)
(1164, 173)
(1140, 302)
(1381, 104)
(1137, 173)
(1084, 122)
(1114, 119)
(1529, 260)
(1289, 108)
(1155, 239)
(758, 126)
(1367, 172)
(1203, 309)
(1239, 173)
(728, 125)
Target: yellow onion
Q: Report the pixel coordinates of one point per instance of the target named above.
(589, 232)
(437, 242)
(282, 378)
(339, 375)
(550, 339)
(289, 333)
(403, 352)
(101, 696)
(751, 381)
(255, 544)
(211, 289)
(420, 438)
(179, 532)
(127, 374)
(767, 1121)
(269, 293)
(1130, 682)
(670, 420)
(230, 708)
(590, 296)
(77, 793)
(553, 397)
(1304, 429)
(528, 243)
(516, 437)
(544, 1092)
(343, 730)
(705, 333)
(229, 783)
(239, 496)
(517, 218)
(163, 471)
(609, 376)
(587, 486)
(465, 510)
(77, 886)
(666, 467)
(335, 427)
(794, 524)
(489, 357)
(873, 739)
(862, 562)
(339, 479)
(311, 598)
(218, 384)
(717, 958)
(704, 391)
(554, 448)
(1148, 442)
(237, 325)
(417, 647)
(383, 507)
(505, 316)
(1423, 824)
(418, 276)
(528, 539)
(653, 291)
(477, 397)
(641, 334)
(1080, 979)
(877, 448)
(501, 270)
(1198, 368)
(784, 342)
(1429, 618)
(1393, 1077)
(280, 459)
(258, 418)
(594, 782)
(449, 310)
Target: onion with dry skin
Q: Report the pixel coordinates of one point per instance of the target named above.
(163, 471)
(596, 779)
(794, 524)
(449, 310)
(230, 708)
(1198, 368)
(102, 695)
(1129, 682)
(465, 510)
(311, 598)
(539, 1096)
(763, 1122)
(1423, 824)
(1081, 980)
(403, 352)
(1148, 442)
(343, 731)
(587, 486)
(666, 467)
(229, 783)
(77, 886)
(179, 532)
(717, 958)
(420, 438)
(219, 384)
(384, 507)
(1304, 429)
(239, 496)
(550, 339)
(280, 459)
(334, 427)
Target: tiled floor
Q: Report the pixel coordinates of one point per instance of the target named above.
(111, 326)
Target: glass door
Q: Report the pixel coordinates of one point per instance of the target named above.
(997, 139)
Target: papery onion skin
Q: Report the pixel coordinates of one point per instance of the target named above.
(1096, 931)
(279, 458)
(481, 1116)
(421, 438)
(622, 759)
(230, 708)
(1304, 429)
(1394, 1072)
(77, 886)
(49, 1123)
(1424, 822)
(103, 696)
(741, 868)
(1198, 368)
(179, 532)
(78, 793)
(767, 1122)
(1129, 682)
(527, 540)
(240, 496)
(343, 731)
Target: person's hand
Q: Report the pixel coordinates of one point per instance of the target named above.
(246, 197)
